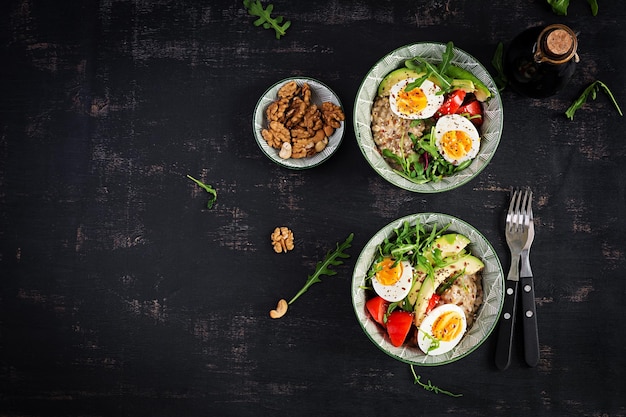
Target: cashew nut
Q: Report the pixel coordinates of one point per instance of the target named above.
(321, 145)
(281, 309)
(285, 150)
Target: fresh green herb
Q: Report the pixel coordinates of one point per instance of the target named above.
(332, 258)
(438, 72)
(560, 6)
(497, 62)
(208, 189)
(591, 91)
(425, 164)
(429, 386)
(265, 19)
(409, 243)
(434, 342)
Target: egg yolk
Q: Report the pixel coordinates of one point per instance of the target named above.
(448, 326)
(411, 101)
(388, 274)
(456, 143)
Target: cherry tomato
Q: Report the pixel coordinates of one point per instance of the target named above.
(377, 307)
(474, 110)
(398, 325)
(432, 302)
(452, 103)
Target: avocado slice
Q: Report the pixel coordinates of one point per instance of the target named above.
(469, 263)
(450, 244)
(481, 92)
(395, 77)
(419, 275)
(465, 85)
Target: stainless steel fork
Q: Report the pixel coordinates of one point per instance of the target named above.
(527, 286)
(517, 236)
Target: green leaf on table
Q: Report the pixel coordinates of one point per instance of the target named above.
(332, 258)
(265, 19)
(560, 6)
(206, 188)
(591, 92)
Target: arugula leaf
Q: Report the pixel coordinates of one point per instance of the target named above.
(591, 91)
(333, 258)
(594, 7)
(206, 188)
(497, 62)
(446, 58)
(560, 6)
(255, 8)
(429, 386)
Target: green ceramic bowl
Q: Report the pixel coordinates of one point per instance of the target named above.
(488, 314)
(320, 93)
(491, 128)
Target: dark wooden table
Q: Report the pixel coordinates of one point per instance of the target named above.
(122, 294)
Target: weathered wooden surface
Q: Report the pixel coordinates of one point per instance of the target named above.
(121, 294)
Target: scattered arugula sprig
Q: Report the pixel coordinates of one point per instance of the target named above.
(208, 189)
(591, 91)
(429, 386)
(255, 8)
(332, 258)
(498, 63)
(560, 6)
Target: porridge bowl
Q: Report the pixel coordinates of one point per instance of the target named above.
(388, 130)
(484, 308)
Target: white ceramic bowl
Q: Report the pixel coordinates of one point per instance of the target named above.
(320, 93)
(488, 314)
(491, 128)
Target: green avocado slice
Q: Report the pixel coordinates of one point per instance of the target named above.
(482, 93)
(468, 263)
(395, 77)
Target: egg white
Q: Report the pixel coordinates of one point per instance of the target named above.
(432, 92)
(400, 289)
(424, 341)
(453, 122)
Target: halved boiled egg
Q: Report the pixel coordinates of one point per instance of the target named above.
(393, 279)
(442, 329)
(419, 103)
(456, 138)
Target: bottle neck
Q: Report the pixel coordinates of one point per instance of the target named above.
(556, 44)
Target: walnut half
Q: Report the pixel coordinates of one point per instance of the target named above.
(282, 239)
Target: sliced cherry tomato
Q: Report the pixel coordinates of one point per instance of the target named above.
(452, 103)
(377, 307)
(398, 326)
(432, 302)
(474, 110)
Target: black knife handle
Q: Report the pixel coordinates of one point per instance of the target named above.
(529, 318)
(505, 332)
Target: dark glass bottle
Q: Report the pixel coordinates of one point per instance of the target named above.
(540, 61)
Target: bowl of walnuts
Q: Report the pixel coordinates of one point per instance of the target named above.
(298, 122)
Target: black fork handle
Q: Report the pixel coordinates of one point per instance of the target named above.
(529, 318)
(507, 320)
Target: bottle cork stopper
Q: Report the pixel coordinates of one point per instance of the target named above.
(559, 42)
(556, 44)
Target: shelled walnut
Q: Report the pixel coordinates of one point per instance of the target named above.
(282, 240)
(294, 119)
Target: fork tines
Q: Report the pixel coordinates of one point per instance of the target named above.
(520, 212)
